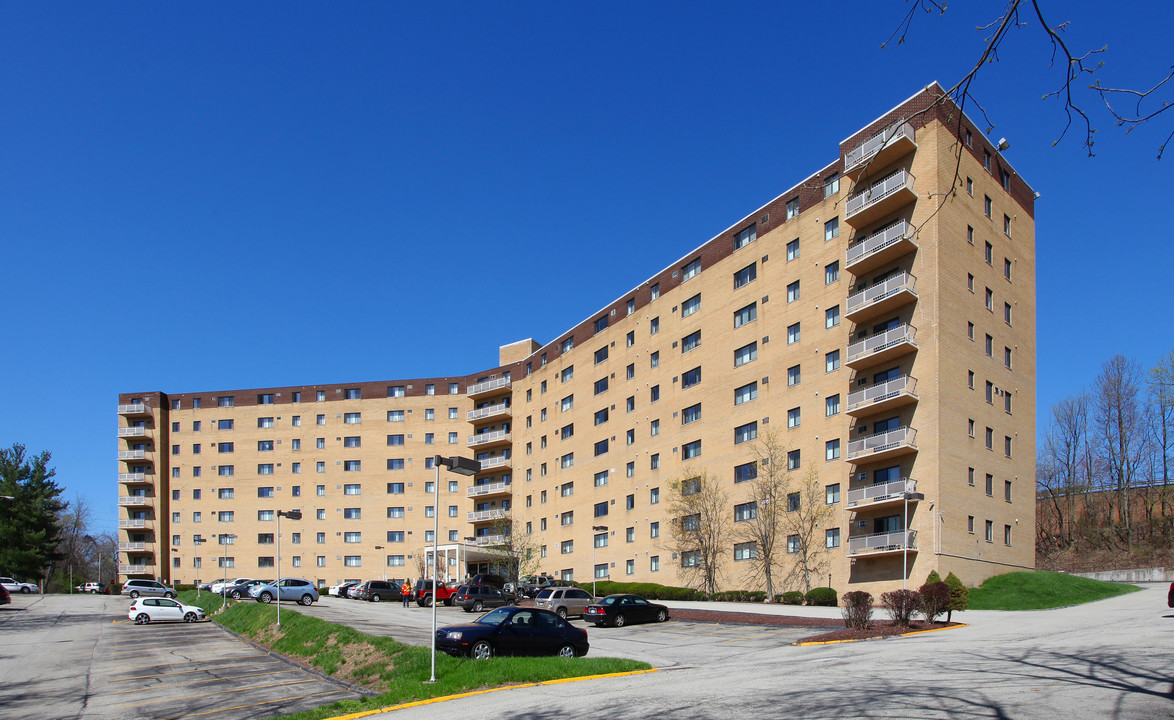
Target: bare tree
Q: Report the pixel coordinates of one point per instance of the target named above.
(1161, 386)
(761, 523)
(807, 514)
(700, 529)
(421, 561)
(516, 556)
(1062, 462)
(1120, 425)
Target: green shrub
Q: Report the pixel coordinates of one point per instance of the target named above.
(959, 596)
(857, 609)
(824, 596)
(901, 605)
(738, 596)
(793, 597)
(650, 591)
(933, 577)
(935, 598)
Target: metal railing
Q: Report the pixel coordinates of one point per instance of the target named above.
(490, 411)
(132, 432)
(488, 437)
(882, 391)
(132, 477)
(875, 343)
(881, 441)
(488, 386)
(131, 546)
(132, 523)
(870, 147)
(877, 542)
(136, 569)
(900, 282)
(882, 491)
(877, 241)
(495, 462)
(132, 409)
(133, 500)
(494, 514)
(132, 454)
(488, 489)
(878, 191)
(489, 540)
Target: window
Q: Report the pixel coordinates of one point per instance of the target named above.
(321, 396)
(745, 511)
(793, 500)
(970, 427)
(566, 403)
(970, 330)
(224, 516)
(792, 208)
(745, 433)
(741, 316)
(601, 511)
(631, 469)
(832, 449)
(746, 275)
(353, 441)
(225, 401)
(990, 392)
(567, 373)
(691, 305)
(990, 346)
(601, 323)
(630, 338)
(567, 460)
(986, 160)
(600, 448)
(395, 416)
(1006, 269)
(793, 334)
(792, 544)
(654, 428)
(793, 292)
(265, 469)
(395, 513)
(1007, 446)
(793, 250)
(296, 420)
(654, 496)
(970, 282)
(990, 300)
(452, 412)
(1007, 401)
(990, 485)
(601, 478)
(744, 394)
(1007, 357)
(601, 416)
(430, 389)
(688, 379)
(794, 417)
(986, 206)
(990, 531)
(970, 187)
(655, 291)
(1007, 313)
(831, 272)
(601, 354)
(654, 461)
(567, 547)
(832, 361)
(1007, 225)
(990, 439)
(352, 418)
(566, 431)
(630, 403)
(320, 419)
(745, 237)
(224, 470)
(831, 185)
(794, 375)
(320, 443)
(654, 359)
(224, 493)
(691, 450)
(833, 494)
(352, 465)
(654, 326)
(691, 270)
(395, 463)
(1007, 535)
(693, 339)
(745, 354)
(601, 385)
(793, 460)
(395, 440)
(832, 538)
(831, 229)
(832, 405)
(396, 488)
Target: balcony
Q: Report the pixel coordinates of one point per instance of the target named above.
(882, 446)
(881, 298)
(493, 488)
(483, 540)
(133, 477)
(883, 543)
(890, 344)
(136, 570)
(881, 198)
(493, 463)
(132, 546)
(133, 409)
(879, 248)
(489, 386)
(135, 524)
(888, 395)
(493, 437)
(483, 515)
(488, 412)
(884, 494)
(132, 454)
(134, 501)
(880, 150)
(131, 432)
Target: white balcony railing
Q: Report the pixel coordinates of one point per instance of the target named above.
(482, 515)
(488, 386)
(126, 432)
(489, 540)
(134, 500)
(131, 523)
(132, 409)
(132, 454)
(881, 491)
(901, 282)
(882, 391)
(494, 462)
(136, 569)
(877, 241)
(488, 437)
(865, 151)
(131, 546)
(875, 343)
(880, 542)
(878, 191)
(881, 442)
(488, 489)
(132, 478)
(489, 411)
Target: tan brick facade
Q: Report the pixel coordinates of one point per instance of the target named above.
(927, 297)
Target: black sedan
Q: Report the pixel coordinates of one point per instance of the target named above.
(619, 610)
(513, 631)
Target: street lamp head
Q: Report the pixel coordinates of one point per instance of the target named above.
(291, 514)
(459, 465)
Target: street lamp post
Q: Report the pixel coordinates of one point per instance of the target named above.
(380, 547)
(595, 528)
(224, 539)
(196, 542)
(292, 515)
(460, 466)
(99, 549)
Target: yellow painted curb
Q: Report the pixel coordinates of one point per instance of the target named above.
(915, 632)
(429, 701)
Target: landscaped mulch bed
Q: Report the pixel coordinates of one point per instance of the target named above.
(876, 630)
(749, 618)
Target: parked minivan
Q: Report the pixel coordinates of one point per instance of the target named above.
(379, 590)
(563, 600)
(135, 588)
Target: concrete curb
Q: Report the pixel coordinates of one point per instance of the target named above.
(881, 637)
(443, 698)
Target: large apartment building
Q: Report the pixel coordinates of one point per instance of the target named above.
(878, 319)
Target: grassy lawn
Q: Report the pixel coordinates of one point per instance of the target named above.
(395, 670)
(1041, 590)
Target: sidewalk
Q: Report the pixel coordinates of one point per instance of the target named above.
(969, 617)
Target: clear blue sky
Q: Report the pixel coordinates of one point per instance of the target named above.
(232, 195)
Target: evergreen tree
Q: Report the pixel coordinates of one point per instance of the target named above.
(29, 523)
(959, 596)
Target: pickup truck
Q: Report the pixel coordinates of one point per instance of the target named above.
(422, 593)
(13, 586)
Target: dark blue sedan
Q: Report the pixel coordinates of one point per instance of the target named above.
(513, 631)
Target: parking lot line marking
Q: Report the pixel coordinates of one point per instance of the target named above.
(717, 632)
(165, 647)
(201, 682)
(267, 702)
(188, 662)
(180, 672)
(754, 637)
(216, 692)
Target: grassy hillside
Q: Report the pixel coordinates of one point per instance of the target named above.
(1041, 590)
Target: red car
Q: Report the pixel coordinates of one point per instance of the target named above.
(422, 593)
(5, 598)
(1170, 597)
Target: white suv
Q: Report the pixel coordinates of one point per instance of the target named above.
(13, 586)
